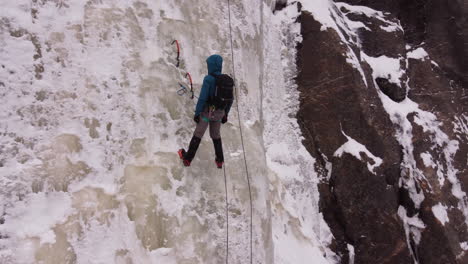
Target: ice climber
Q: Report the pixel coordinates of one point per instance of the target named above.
(214, 103)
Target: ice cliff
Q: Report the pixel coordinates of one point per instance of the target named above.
(91, 121)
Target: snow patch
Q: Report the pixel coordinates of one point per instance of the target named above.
(355, 148)
(283, 165)
(440, 212)
(385, 67)
(352, 253)
(369, 12)
(35, 216)
(413, 225)
(427, 160)
(364, 10)
(320, 10)
(460, 126)
(290, 250)
(391, 28)
(418, 54)
(435, 63)
(464, 245)
(328, 14)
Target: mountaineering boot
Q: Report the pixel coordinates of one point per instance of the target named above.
(218, 146)
(182, 153)
(219, 164)
(193, 146)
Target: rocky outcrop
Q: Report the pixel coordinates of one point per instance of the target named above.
(398, 195)
(440, 26)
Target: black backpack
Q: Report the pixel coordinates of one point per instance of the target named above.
(224, 91)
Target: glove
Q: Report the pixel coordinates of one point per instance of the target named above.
(196, 118)
(224, 120)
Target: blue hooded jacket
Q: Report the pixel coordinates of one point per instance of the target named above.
(215, 66)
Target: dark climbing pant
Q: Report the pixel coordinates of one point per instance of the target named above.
(193, 146)
(213, 120)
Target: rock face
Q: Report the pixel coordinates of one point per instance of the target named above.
(400, 196)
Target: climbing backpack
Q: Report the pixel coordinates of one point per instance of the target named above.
(224, 91)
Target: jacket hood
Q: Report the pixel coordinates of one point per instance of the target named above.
(215, 64)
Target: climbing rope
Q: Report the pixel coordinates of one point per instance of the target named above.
(227, 215)
(241, 134)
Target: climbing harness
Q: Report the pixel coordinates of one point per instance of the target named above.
(211, 110)
(241, 135)
(178, 51)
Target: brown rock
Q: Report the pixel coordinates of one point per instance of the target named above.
(356, 203)
(359, 205)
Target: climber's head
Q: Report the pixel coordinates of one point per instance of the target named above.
(215, 64)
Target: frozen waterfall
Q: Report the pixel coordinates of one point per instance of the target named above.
(91, 121)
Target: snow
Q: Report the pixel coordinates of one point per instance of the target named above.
(36, 215)
(391, 28)
(295, 251)
(398, 113)
(355, 148)
(434, 63)
(427, 159)
(464, 245)
(320, 10)
(417, 54)
(413, 225)
(461, 126)
(440, 212)
(299, 231)
(393, 70)
(369, 12)
(354, 25)
(361, 9)
(352, 253)
(385, 67)
(326, 12)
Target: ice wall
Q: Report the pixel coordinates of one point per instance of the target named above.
(91, 122)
